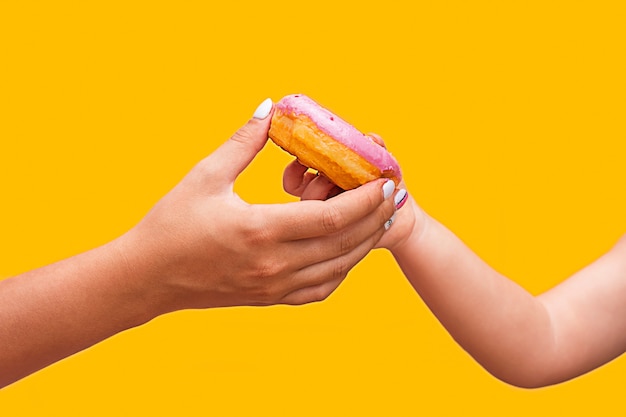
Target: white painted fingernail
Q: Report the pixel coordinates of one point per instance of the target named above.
(400, 198)
(389, 222)
(388, 188)
(263, 110)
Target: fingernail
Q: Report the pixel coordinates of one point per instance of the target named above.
(263, 110)
(389, 222)
(401, 197)
(388, 188)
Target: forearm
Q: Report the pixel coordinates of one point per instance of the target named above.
(55, 311)
(500, 324)
(522, 339)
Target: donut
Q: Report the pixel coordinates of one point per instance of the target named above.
(327, 143)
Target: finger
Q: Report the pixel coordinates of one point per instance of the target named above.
(298, 182)
(306, 219)
(318, 281)
(230, 159)
(319, 249)
(335, 192)
(311, 294)
(296, 178)
(319, 188)
(376, 138)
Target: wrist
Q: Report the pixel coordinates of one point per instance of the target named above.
(416, 227)
(138, 277)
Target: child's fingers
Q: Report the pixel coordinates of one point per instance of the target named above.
(377, 139)
(298, 182)
(320, 188)
(296, 178)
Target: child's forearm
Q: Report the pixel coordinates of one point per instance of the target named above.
(468, 297)
(524, 340)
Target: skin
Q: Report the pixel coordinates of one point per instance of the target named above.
(201, 246)
(524, 340)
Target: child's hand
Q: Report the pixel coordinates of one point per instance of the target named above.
(299, 182)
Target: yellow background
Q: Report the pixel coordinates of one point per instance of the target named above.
(508, 120)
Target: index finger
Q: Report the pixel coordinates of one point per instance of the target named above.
(306, 219)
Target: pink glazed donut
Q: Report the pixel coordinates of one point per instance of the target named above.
(327, 143)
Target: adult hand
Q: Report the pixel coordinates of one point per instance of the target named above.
(203, 246)
(200, 246)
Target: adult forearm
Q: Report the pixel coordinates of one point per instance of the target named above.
(55, 311)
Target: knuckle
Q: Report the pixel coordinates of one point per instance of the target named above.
(347, 242)
(268, 268)
(340, 270)
(256, 237)
(332, 219)
(243, 135)
(256, 233)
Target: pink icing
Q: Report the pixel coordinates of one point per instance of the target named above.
(340, 130)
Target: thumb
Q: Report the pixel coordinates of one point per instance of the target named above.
(230, 159)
